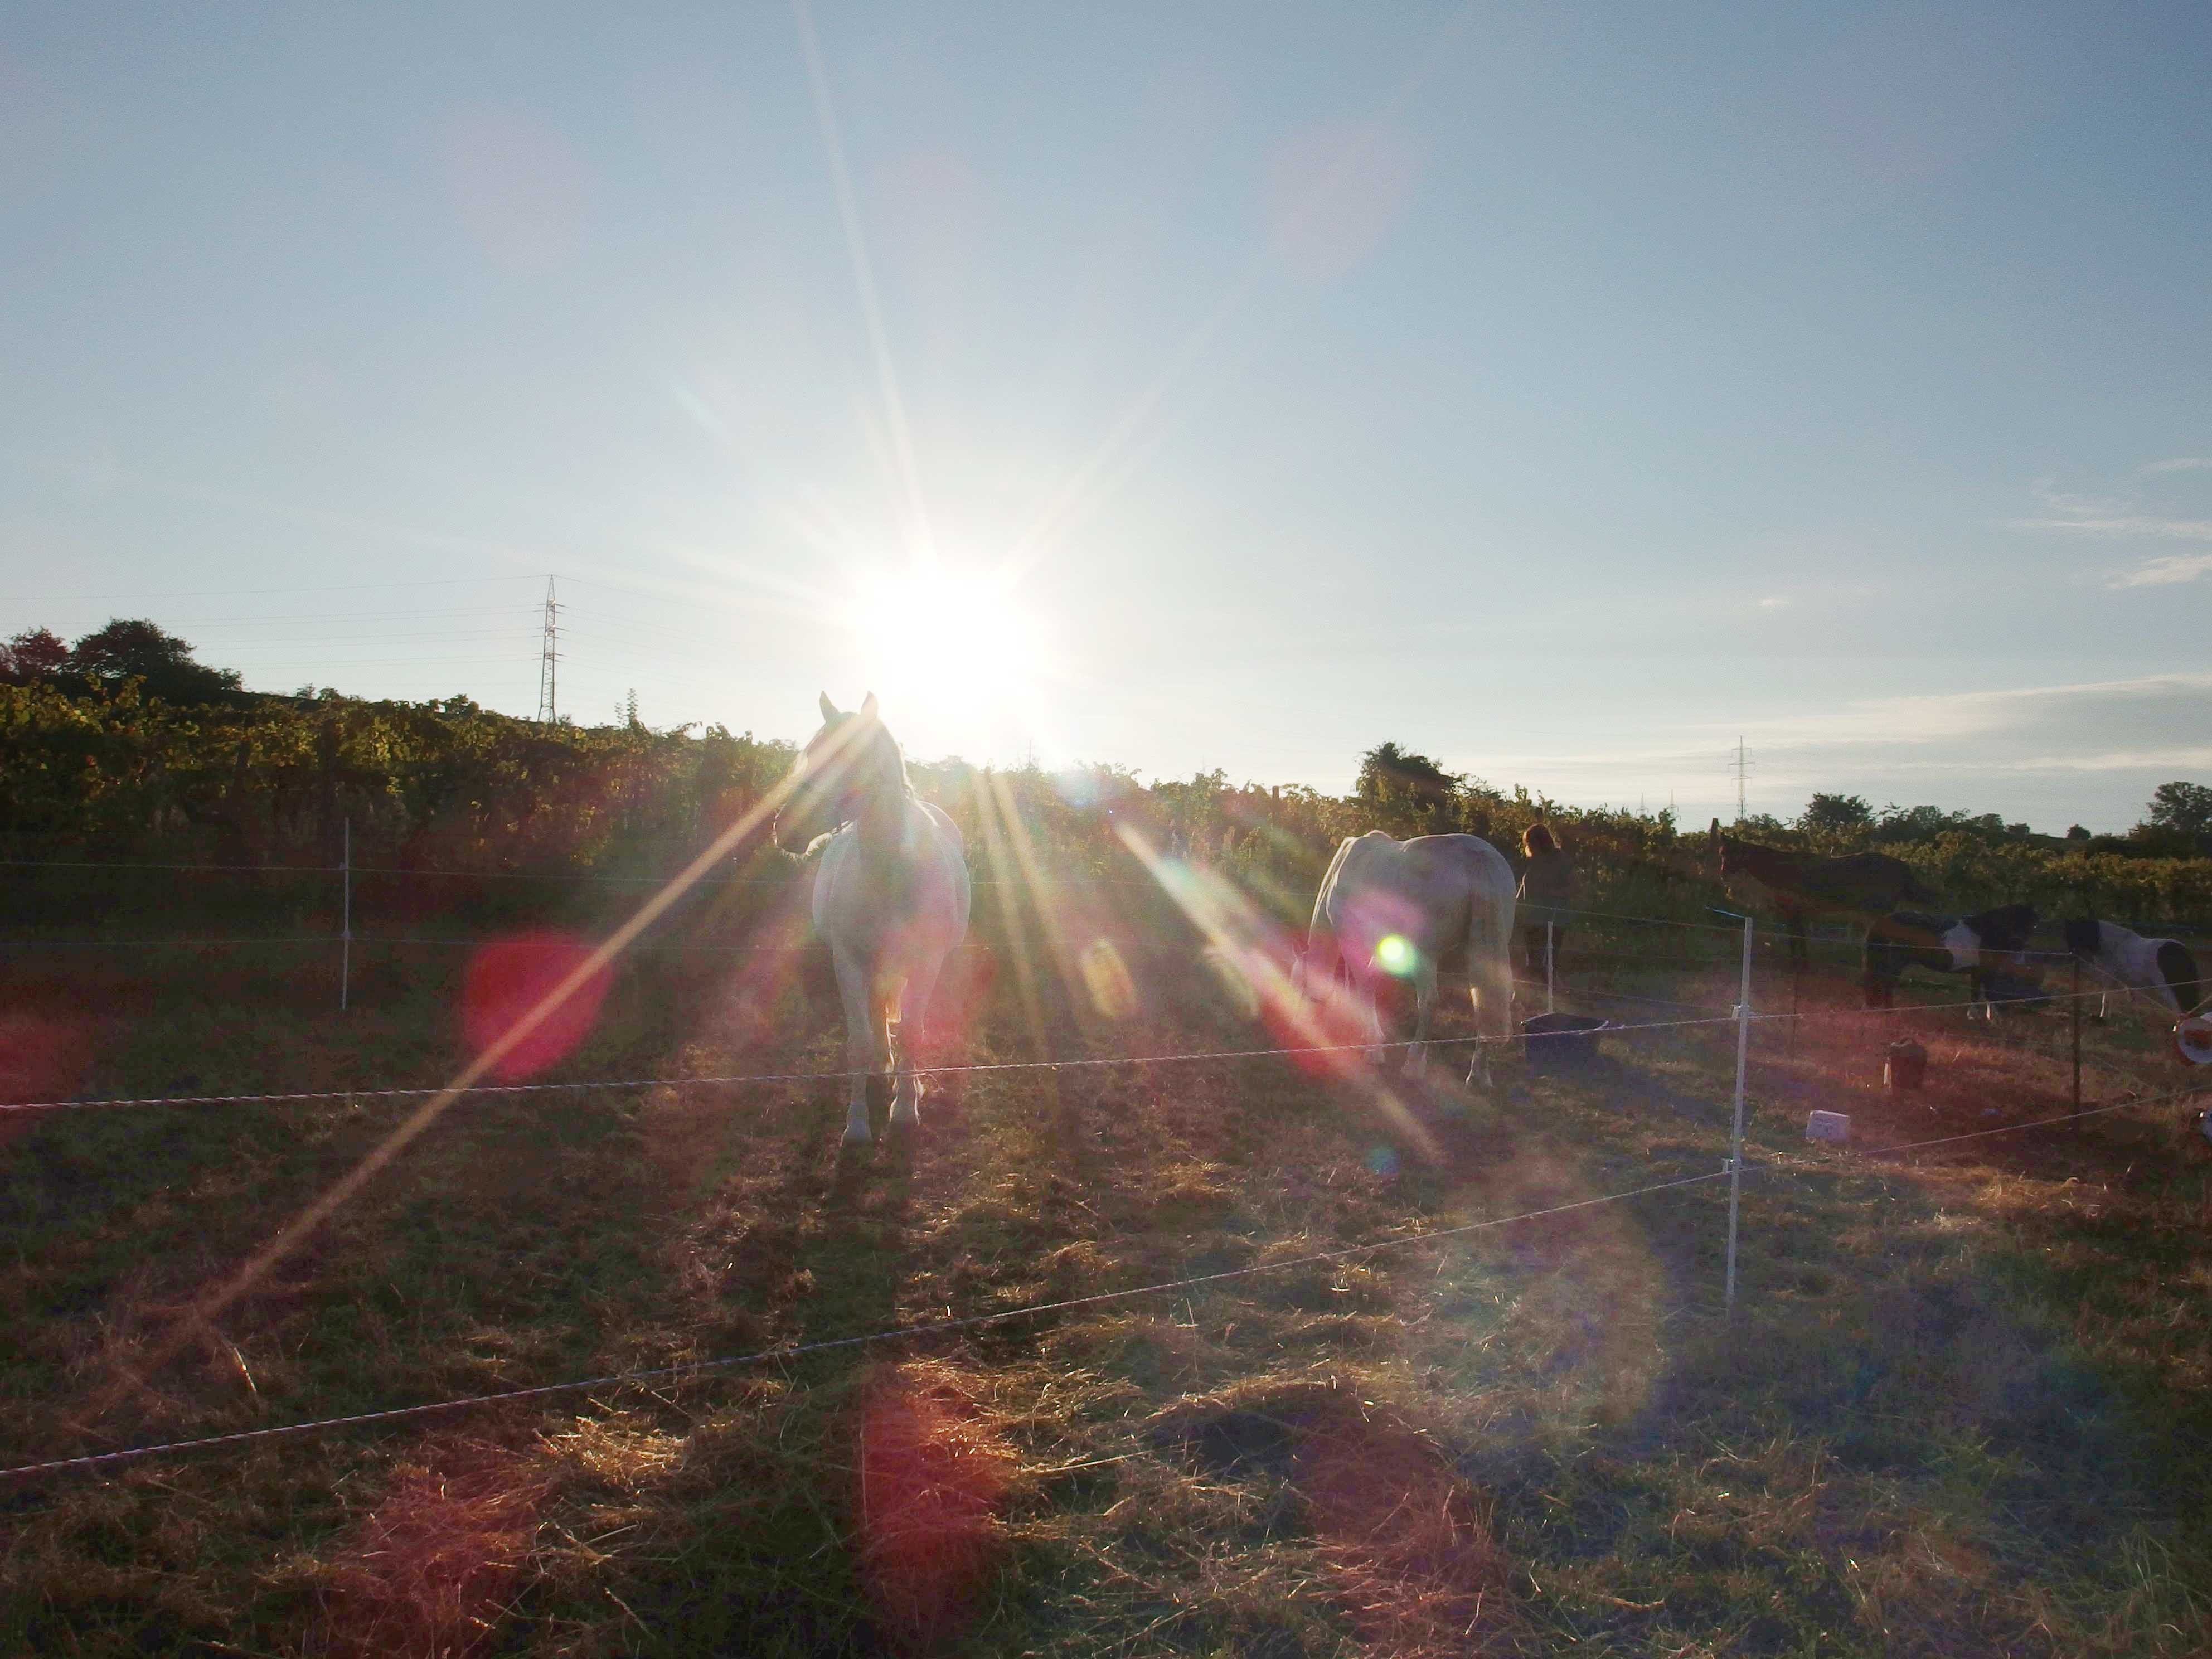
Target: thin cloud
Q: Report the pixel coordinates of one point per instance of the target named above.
(1979, 716)
(2121, 518)
(2187, 530)
(2161, 572)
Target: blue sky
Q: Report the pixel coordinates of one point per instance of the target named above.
(1560, 395)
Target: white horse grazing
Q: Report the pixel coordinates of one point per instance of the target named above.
(2162, 968)
(890, 899)
(1395, 907)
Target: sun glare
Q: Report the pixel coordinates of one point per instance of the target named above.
(954, 656)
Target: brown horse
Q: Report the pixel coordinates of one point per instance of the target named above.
(1861, 885)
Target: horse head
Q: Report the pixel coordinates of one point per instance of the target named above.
(2006, 929)
(841, 764)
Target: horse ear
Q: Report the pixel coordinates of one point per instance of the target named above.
(828, 708)
(868, 707)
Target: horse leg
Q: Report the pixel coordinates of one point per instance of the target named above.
(863, 1042)
(914, 1014)
(1490, 988)
(1366, 989)
(1424, 1002)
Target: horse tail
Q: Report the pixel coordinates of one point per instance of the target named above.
(1321, 953)
(1319, 926)
(2177, 967)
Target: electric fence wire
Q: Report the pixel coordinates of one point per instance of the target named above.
(933, 1328)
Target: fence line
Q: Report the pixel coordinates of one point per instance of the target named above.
(2001, 1129)
(1079, 1062)
(1715, 1015)
(934, 1327)
(460, 874)
(1732, 1172)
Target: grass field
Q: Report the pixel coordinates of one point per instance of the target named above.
(1965, 1405)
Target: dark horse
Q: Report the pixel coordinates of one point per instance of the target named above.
(1868, 884)
(1979, 946)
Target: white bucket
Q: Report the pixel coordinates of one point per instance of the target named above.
(1828, 1125)
(2192, 1040)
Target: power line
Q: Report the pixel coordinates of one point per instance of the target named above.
(206, 592)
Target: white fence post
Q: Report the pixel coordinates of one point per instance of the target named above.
(345, 933)
(1735, 1140)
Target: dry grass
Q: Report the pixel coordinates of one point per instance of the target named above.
(1964, 1408)
(428, 1572)
(930, 1472)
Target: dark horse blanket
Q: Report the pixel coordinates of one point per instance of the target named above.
(1979, 946)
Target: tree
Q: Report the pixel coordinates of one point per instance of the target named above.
(1836, 812)
(162, 662)
(1388, 773)
(2184, 808)
(34, 655)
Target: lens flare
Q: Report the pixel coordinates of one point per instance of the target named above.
(1394, 954)
(1106, 977)
(508, 978)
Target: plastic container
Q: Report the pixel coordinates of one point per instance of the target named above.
(1560, 1043)
(2192, 1040)
(1828, 1125)
(1906, 1066)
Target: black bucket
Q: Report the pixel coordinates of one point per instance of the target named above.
(1560, 1043)
(1906, 1066)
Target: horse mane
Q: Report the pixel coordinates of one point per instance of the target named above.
(2005, 921)
(885, 753)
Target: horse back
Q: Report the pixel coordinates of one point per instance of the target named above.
(2084, 935)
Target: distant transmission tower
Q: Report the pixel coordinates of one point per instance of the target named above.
(1742, 767)
(548, 654)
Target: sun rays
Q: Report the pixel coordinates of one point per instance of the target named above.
(958, 653)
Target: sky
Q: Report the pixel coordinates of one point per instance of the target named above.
(1562, 395)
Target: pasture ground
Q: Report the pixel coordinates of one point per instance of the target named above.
(1965, 1406)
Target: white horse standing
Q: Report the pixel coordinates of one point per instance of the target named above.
(890, 899)
(1395, 907)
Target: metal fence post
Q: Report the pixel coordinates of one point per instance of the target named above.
(345, 925)
(1735, 1140)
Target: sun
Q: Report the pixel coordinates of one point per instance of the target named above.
(955, 658)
